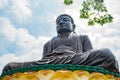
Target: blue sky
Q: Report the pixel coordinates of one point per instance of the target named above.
(26, 25)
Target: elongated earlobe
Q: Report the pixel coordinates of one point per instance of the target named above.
(74, 28)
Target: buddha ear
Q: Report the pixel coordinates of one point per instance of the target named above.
(74, 27)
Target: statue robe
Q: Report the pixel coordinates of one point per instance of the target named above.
(72, 50)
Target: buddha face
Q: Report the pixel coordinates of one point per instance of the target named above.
(64, 24)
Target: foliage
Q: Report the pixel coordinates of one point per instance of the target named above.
(68, 2)
(93, 10)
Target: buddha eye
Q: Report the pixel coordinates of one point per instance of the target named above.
(66, 19)
(63, 20)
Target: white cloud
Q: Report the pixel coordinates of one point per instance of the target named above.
(21, 10)
(3, 3)
(7, 28)
(32, 47)
(113, 6)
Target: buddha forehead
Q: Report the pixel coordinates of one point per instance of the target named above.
(64, 17)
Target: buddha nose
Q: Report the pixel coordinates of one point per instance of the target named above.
(61, 21)
(62, 24)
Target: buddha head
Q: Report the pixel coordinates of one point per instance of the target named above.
(64, 23)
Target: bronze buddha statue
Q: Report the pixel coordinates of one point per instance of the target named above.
(69, 48)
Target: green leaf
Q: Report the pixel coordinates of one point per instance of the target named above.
(91, 22)
(84, 14)
(68, 2)
(81, 16)
(97, 20)
(92, 13)
(110, 18)
(86, 5)
(100, 1)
